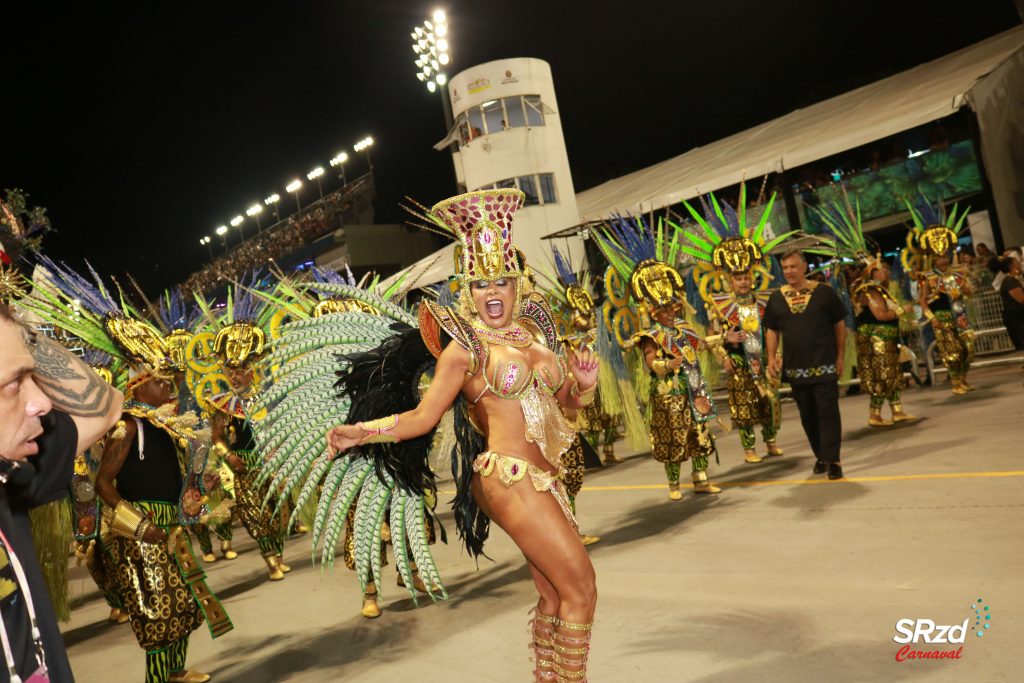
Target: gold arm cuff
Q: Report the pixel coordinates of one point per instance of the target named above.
(587, 397)
(128, 521)
(380, 430)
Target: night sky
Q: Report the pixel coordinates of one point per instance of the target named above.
(142, 128)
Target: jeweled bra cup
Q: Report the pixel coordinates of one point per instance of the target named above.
(511, 470)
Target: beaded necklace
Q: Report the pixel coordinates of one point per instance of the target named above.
(514, 335)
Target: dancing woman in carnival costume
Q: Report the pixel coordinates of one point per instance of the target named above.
(680, 399)
(877, 313)
(506, 389)
(150, 479)
(943, 288)
(733, 273)
(225, 374)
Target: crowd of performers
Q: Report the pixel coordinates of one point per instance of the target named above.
(313, 402)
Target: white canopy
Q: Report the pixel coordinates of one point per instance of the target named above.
(895, 104)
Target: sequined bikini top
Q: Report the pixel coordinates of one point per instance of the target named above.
(512, 380)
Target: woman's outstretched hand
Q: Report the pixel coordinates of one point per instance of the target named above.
(342, 438)
(584, 366)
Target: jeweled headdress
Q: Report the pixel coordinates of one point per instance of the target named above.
(935, 233)
(481, 221)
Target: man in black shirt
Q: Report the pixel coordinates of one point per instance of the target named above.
(810, 318)
(52, 407)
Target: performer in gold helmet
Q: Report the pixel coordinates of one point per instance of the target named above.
(733, 275)
(943, 287)
(681, 405)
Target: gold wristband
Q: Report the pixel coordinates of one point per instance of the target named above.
(380, 430)
(128, 520)
(587, 397)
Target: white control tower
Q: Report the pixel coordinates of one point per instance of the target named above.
(508, 133)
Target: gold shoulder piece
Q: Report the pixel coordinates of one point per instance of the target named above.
(535, 314)
(434, 318)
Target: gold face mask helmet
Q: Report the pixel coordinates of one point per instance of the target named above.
(656, 284)
(934, 234)
(239, 343)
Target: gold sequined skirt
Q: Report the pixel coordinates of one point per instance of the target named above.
(675, 435)
(747, 406)
(878, 364)
(259, 520)
(159, 601)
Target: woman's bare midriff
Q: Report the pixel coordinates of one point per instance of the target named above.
(503, 422)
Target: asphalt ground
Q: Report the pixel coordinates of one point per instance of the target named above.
(784, 576)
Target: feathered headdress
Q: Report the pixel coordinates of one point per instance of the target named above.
(842, 219)
(935, 233)
(728, 245)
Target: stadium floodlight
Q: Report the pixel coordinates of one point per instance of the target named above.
(222, 230)
(254, 209)
(272, 199)
(236, 221)
(293, 186)
(432, 50)
(363, 144)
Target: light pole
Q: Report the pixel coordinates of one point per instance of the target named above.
(315, 175)
(364, 146)
(339, 161)
(236, 222)
(294, 187)
(223, 232)
(433, 54)
(254, 212)
(206, 241)
(272, 201)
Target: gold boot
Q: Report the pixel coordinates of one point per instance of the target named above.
(280, 563)
(572, 646)
(965, 385)
(609, 455)
(275, 571)
(227, 551)
(118, 615)
(702, 485)
(187, 676)
(417, 580)
(589, 540)
(209, 558)
(773, 450)
(875, 418)
(673, 492)
(958, 388)
(370, 610)
(752, 457)
(899, 415)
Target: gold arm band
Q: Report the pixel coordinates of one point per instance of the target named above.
(582, 399)
(128, 521)
(380, 430)
(928, 314)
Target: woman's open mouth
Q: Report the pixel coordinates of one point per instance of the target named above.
(495, 309)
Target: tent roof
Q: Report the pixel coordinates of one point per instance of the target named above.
(908, 99)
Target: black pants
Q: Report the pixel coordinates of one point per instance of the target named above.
(819, 415)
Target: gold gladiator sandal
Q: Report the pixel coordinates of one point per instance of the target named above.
(702, 485)
(572, 645)
(899, 415)
(673, 492)
(875, 418)
(227, 551)
(752, 457)
(542, 627)
(773, 450)
(370, 609)
(276, 574)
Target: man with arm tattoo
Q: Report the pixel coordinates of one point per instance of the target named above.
(52, 406)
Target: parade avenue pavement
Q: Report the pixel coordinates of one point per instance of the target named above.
(784, 576)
